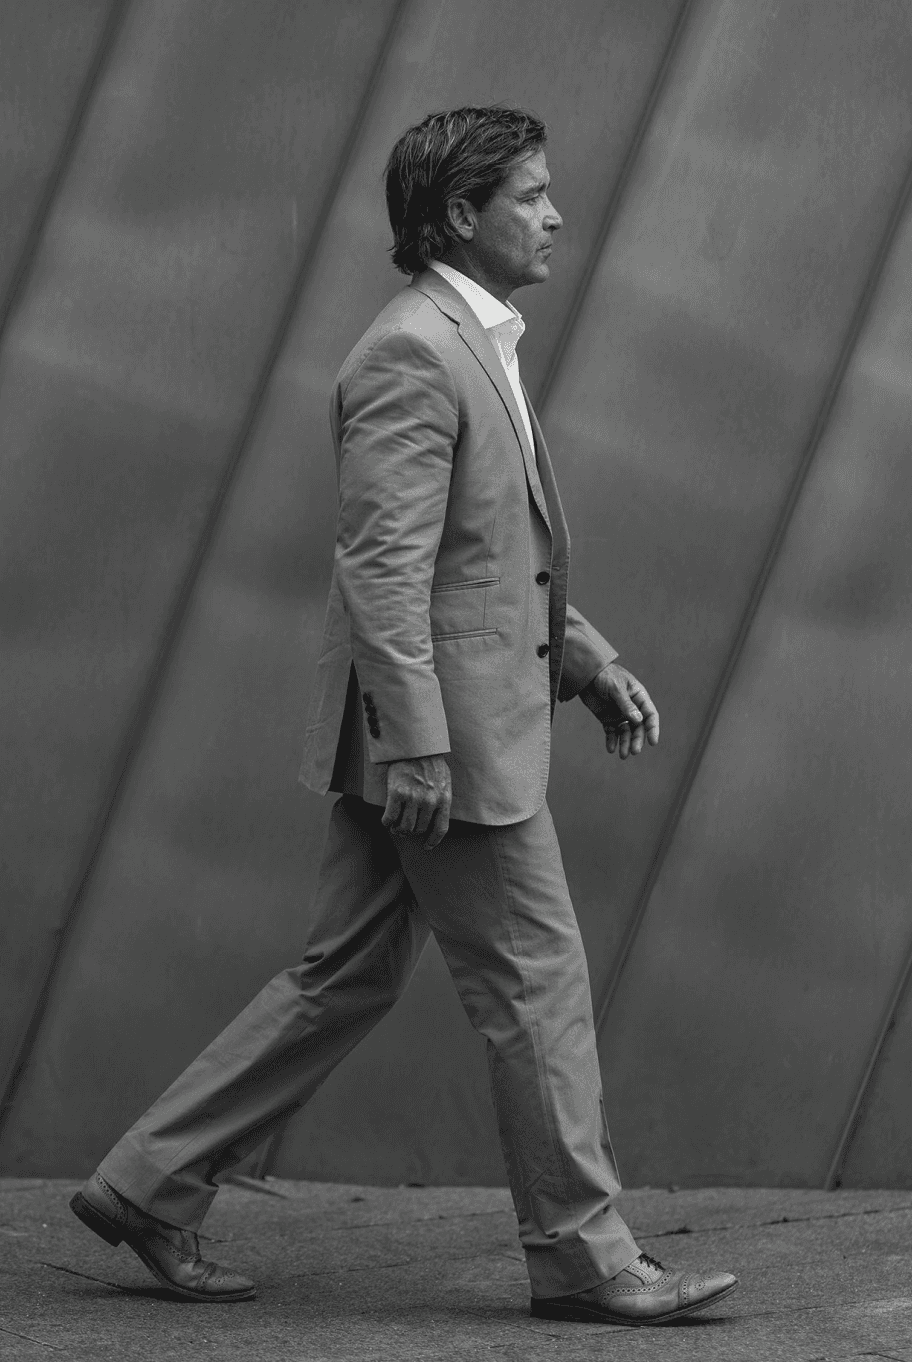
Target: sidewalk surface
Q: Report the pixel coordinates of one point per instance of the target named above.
(394, 1274)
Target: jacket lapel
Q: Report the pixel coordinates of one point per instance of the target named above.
(560, 554)
(473, 333)
(556, 521)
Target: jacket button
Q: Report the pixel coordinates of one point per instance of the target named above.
(543, 650)
(543, 578)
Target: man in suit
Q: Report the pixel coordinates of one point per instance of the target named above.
(448, 641)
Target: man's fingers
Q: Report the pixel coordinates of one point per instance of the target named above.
(439, 828)
(650, 714)
(393, 810)
(400, 813)
(622, 701)
(650, 722)
(637, 719)
(416, 789)
(425, 810)
(408, 818)
(417, 816)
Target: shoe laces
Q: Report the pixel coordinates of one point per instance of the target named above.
(647, 1261)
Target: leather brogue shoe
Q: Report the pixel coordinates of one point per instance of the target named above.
(171, 1255)
(644, 1293)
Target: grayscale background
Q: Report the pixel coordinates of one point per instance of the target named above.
(192, 236)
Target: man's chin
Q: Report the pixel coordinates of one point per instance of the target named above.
(538, 272)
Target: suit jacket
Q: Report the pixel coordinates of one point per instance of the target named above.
(447, 628)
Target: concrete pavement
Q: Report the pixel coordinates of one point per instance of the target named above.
(395, 1274)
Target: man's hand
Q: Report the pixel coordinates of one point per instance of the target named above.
(419, 792)
(624, 709)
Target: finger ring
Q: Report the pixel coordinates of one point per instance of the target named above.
(622, 723)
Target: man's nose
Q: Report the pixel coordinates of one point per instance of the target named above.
(552, 221)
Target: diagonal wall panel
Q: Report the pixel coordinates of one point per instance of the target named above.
(779, 925)
(152, 305)
(47, 51)
(880, 1154)
(214, 846)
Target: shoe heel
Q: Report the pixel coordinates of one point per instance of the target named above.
(95, 1221)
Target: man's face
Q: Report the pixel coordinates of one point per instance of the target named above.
(512, 238)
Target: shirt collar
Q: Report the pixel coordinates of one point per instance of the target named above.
(501, 319)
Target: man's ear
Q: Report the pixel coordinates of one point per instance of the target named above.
(462, 215)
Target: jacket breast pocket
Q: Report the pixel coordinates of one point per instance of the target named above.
(460, 609)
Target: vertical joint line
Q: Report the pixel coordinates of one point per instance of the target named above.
(780, 529)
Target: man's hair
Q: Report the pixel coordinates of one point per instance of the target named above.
(458, 154)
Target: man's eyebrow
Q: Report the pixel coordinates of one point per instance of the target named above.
(536, 188)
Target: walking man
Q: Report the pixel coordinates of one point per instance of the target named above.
(448, 641)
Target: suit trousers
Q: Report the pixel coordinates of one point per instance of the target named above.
(497, 902)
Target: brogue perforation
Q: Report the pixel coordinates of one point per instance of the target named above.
(171, 1254)
(662, 1295)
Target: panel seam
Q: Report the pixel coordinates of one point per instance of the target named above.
(611, 212)
(145, 706)
(68, 143)
(857, 1109)
(14, 294)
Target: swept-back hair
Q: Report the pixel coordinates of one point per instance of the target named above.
(458, 154)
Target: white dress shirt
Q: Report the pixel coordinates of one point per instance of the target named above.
(504, 326)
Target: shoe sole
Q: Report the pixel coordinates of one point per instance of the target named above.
(112, 1234)
(591, 1314)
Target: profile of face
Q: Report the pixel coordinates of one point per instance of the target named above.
(507, 243)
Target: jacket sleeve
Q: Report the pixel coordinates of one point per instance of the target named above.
(585, 654)
(397, 425)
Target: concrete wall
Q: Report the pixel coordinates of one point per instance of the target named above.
(192, 238)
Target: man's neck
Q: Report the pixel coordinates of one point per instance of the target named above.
(457, 259)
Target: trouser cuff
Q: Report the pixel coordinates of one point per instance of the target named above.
(175, 1200)
(580, 1265)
